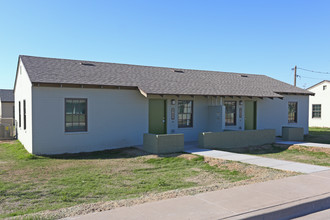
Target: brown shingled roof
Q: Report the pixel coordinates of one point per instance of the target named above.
(155, 80)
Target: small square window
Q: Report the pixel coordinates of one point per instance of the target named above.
(324, 87)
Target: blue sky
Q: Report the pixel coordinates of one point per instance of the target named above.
(261, 37)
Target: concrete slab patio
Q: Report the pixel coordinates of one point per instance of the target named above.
(256, 160)
(278, 199)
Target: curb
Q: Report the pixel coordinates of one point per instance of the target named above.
(288, 210)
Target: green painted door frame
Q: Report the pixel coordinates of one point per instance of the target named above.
(250, 111)
(157, 116)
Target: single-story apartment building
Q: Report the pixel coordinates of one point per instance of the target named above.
(6, 106)
(319, 105)
(74, 106)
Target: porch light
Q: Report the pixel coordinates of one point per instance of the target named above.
(173, 101)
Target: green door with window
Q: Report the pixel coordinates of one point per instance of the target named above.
(157, 116)
(250, 115)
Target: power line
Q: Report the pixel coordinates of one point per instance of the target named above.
(300, 76)
(313, 71)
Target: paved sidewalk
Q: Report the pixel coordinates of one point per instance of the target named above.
(260, 161)
(307, 144)
(278, 199)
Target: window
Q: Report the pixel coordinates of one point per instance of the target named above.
(292, 113)
(324, 87)
(316, 111)
(24, 114)
(185, 113)
(75, 115)
(19, 114)
(230, 112)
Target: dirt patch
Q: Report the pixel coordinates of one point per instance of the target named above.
(311, 149)
(7, 141)
(248, 169)
(188, 156)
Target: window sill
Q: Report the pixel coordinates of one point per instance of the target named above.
(185, 127)
(75, 132)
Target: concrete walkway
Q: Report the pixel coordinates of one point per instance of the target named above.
(278, 199)
(300, 143)
(260, 161)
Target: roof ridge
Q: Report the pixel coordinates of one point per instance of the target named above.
(148, 66)
(325, 80)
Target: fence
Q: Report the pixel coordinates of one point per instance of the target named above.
(7, 128)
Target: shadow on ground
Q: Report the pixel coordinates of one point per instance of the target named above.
(318, 135)
(129, 152)
(257, 150)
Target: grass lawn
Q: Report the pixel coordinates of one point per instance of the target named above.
(318, 135)
(30, 184)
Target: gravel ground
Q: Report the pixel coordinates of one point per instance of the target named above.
(259, 175)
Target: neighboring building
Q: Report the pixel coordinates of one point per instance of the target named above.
(319, 105)
(6, 106)
(74, 106)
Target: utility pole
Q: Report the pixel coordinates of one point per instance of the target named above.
(295, 75)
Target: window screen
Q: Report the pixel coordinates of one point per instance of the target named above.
(75, 115)
(316, 111)
(230, 112)
(293, 110)
(185, 113)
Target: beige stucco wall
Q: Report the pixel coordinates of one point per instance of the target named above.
(163, 143)
(236, 139)
(292, 134)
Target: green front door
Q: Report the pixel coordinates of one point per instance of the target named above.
(157, 116)
(250, 115)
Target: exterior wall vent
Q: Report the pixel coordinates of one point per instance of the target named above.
(178, 71)
(244, 76)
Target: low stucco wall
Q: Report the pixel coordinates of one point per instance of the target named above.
(163, 143)
(292, 134)
(236, 139)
